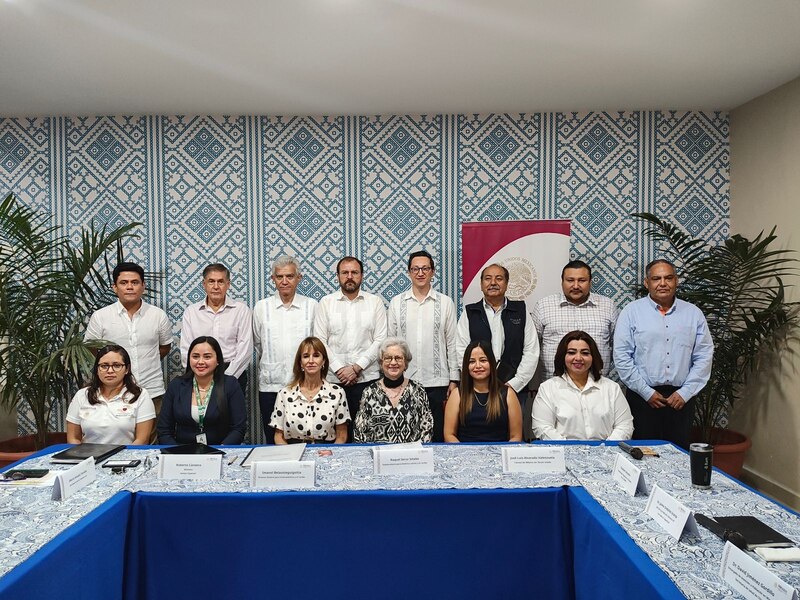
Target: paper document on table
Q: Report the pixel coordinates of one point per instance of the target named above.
(274, 453)
(43, 481)
(750, 579)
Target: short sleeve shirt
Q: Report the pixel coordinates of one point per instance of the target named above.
(300, 419)
(111, 420)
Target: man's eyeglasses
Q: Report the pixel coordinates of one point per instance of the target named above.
(423, 270)
(110, 367)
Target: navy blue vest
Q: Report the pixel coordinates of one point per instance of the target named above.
(513, 318)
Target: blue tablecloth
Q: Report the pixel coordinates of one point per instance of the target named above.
(445, 544)
(86, 561)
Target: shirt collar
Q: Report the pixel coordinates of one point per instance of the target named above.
(590, 383)
(488, 306)
(655, 305)
(121, 309)
(409, 294)
(279, 302)
(588, 302)
(342, 297)
(229, 303)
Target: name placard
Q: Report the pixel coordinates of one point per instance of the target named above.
(628, 476)
(70, 481)
(283, 474)
(672, 515)
(388, 460)
(750, 579)
(533, 459)
(190, 466)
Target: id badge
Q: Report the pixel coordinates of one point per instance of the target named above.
(201, 438)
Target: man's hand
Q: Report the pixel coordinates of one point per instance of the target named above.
(347, 375)
(657, 400)
(675, 401)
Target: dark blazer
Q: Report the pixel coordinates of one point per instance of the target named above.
(176, 426)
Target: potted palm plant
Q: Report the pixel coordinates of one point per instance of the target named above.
(739, 286)
(49, 286)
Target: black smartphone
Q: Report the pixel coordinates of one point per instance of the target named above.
(121, 464)
(19, 474)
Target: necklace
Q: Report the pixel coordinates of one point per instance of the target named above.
(394, 393)
(478, 400)
(310, 393)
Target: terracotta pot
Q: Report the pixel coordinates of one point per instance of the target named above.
(22, 447)
(729, 450)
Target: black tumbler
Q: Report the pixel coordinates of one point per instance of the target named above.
(700, 456)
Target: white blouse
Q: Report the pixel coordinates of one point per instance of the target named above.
(599, 411)
(111, 420)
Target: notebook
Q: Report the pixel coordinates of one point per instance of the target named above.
(79, 452)
(757, 534)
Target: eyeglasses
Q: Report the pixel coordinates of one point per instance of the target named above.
(110, 367)
(423, 270)
(398, 359)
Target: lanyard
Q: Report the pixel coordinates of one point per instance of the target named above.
(202, 403)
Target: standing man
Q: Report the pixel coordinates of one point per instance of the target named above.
(576, 307)
(663, 351)
(426, 320)
(141, 328)
(280, 323)
(352, 324)
(229, 321)
(506, 325)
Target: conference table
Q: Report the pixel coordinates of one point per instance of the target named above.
(467, 531)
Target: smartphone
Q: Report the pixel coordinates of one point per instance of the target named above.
(26, 473)
(121, 464)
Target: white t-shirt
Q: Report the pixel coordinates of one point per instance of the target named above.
(110, 421)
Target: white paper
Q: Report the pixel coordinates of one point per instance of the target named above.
(283, 474)
(750, 579)
(533, 459)
(276, 452)
(673, 516)
(190, 466)
(402, 458)
(628, 476)
(70, 481)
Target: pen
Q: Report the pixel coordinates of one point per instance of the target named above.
(233, 460)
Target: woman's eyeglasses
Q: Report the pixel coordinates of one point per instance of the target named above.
(110, 367)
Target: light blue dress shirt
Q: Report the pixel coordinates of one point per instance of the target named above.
(652, 349)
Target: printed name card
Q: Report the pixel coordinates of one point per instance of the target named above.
(751, 579)
(283, 474)
(397, 460)
(533, 459)
(70, 481)
(190, 466)
(628, 476)
(673, 516)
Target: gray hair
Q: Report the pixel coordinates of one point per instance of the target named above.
(394, 341)
(286, 261)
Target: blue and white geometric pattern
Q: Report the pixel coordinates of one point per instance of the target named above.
(692, 172)
(597, 175)
(401, 191)
(244, 190)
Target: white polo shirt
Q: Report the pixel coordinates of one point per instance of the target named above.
(140, 336)
(111, 420)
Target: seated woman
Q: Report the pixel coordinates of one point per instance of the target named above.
(579, 403)
(112, 409)
(481, 409)
(310, 409)
(203, 405)
(394, 409)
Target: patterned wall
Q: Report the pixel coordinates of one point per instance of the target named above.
(243, 190)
